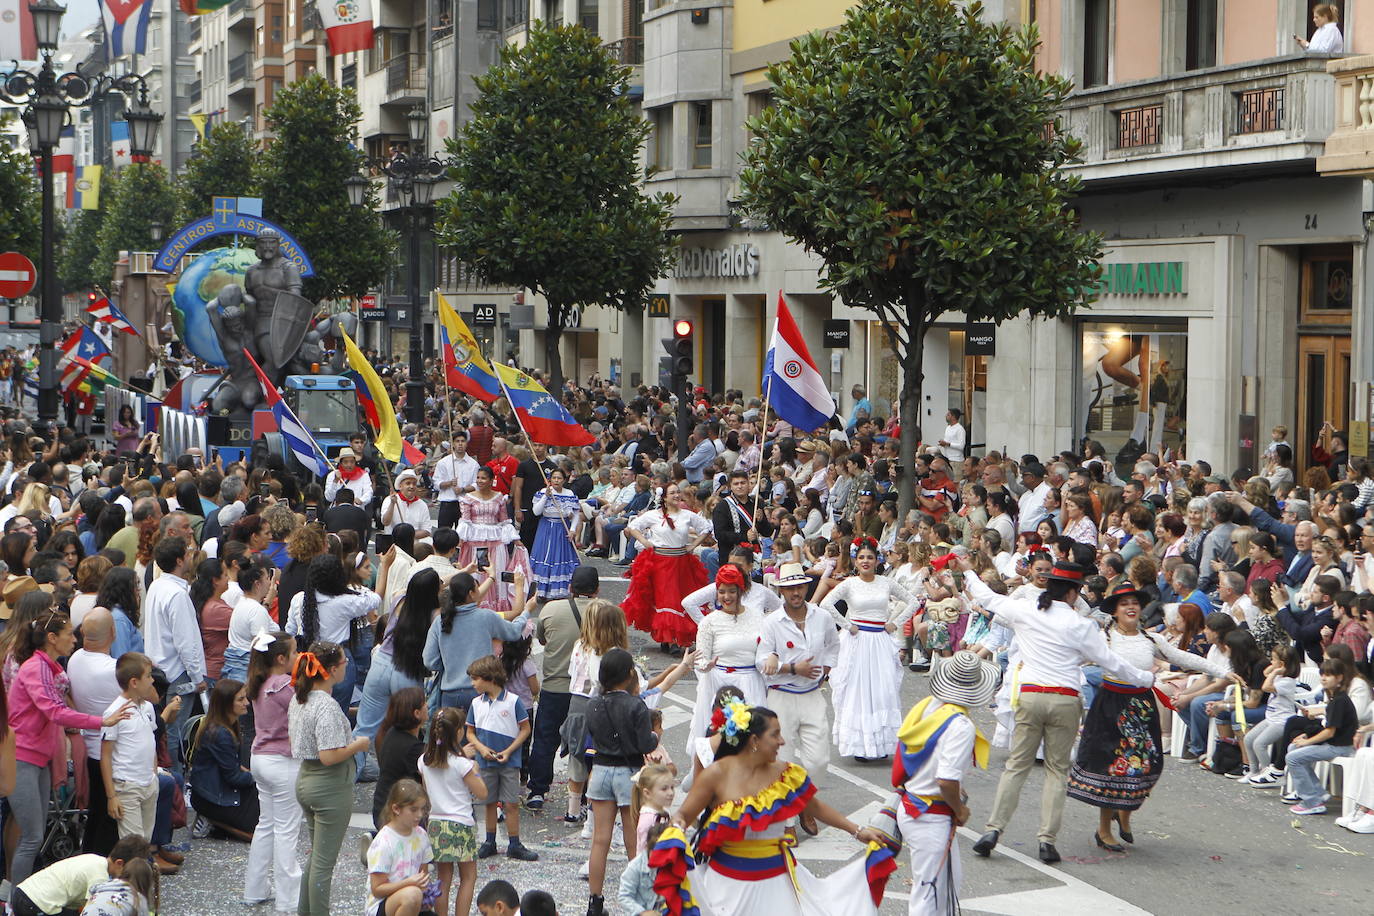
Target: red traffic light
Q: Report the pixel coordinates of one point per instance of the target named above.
(682, 328)
(90, 297)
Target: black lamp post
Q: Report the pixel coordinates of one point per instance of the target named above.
(48, 98)
(412, 176)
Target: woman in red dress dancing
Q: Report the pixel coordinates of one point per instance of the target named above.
(665, 570)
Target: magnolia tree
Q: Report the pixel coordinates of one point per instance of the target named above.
(916, 152)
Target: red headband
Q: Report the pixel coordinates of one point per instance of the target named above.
(729, 574)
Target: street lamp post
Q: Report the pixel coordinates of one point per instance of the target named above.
(412, 176)
(48, 98)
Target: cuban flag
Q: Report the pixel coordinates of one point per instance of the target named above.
(120, 148)
(126, 26)
(106, 311)
(298, 438)
(792, 385)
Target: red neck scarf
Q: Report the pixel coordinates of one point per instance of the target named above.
(407, 499)
(350, 474)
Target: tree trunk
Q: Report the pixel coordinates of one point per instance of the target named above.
(912, 384)
(553, 354)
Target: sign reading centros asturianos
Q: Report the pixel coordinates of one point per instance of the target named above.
(740, 260)
(228, 217)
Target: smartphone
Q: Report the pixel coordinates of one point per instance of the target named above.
(483, 558)
(263, 490)
(507, 577)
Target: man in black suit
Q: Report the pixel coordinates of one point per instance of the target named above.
(346, 515)
(736, 518)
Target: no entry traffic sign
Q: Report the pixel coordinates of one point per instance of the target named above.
(17, 275)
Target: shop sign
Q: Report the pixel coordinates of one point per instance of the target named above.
(980, 339)
(1143, 278)
(836, 332)
(368, 309)
(740, 260)
(658, 306)
(484, 313)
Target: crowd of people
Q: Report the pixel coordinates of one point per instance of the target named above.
(233, 647)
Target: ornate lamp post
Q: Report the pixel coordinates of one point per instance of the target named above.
(48, 98)
(412, 176)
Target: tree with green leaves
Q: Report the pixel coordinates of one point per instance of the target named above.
(141, 196)
(77, 261)
(301, 175)
(548, 183)
(20, 205)
(916, 150)
(220, 166)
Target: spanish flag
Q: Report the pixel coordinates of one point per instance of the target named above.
(374, 400)
(465, 368)
(541, 417)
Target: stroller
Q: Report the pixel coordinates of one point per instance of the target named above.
(66, 824)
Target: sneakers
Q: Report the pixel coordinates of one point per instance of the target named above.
(487, 849)
(1290, 797)
(1262, 781)
(1361, 823)
(585, 872)
(1242, 774)
(364, 844)
(516, 850)
(1300, 808)
(535, 802)
(571, 818)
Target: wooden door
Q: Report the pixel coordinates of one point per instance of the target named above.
(1323, 390)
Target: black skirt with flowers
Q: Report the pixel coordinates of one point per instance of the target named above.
(1119, 751)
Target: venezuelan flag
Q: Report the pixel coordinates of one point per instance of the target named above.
(375, 403)
(465, 368)
(543, 419)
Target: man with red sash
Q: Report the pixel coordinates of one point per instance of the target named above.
(935, 745)
(1055, 642)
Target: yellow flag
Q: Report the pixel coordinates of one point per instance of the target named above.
(198, 121)
(375, 402)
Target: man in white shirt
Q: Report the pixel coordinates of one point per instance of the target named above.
(1055, 642)
(797, 648)
(91, 670)
(1231, 590)
(1033, 500)
(172, 634)
(454, 475)
(955, 438)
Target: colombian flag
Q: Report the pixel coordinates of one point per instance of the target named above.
(542, 418)
(464, 366)
(374, 400)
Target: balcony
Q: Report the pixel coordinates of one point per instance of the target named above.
(193, 93)
(240, 15)
(628, 51)
(1259, 116)
(405, 80)
(241, 74)
(1350, 148)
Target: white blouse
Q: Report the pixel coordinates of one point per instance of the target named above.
(686, 527)
(701, 602)
(560, 504)
(730, 640)
(1141, 650)
(869, 602)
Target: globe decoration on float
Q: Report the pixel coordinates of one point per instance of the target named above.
(197, 286)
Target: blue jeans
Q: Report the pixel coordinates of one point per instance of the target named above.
(710, 558)
(459, 698)
(167, 787)
(613, 530)
(176, 731)
(383, 680)
(553, 710)
(343, 691)
(1225, 715)
(1302, 763)
(1197, 722)
(362, 655)
(1092, 674)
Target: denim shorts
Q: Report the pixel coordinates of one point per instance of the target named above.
(611, 784)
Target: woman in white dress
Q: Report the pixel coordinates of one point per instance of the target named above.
(666, 570)
(866, 682)
(727, 639)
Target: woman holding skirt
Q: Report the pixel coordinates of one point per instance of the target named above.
(866, 681)
(485, 524)
(1120, 756)
(666, 570)
(554, 557)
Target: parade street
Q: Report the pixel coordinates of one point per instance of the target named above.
(1203, 844)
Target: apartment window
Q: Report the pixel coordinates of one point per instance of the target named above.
(587, 15)
(386, 44)
(488, 14)
(553, 12)
(276, 29)
(442, 15)
(701, 135)
(1201, 51)
(517, 13)
(1096, 41)
(661, 138)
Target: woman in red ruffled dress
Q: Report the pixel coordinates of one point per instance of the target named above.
(666, 570)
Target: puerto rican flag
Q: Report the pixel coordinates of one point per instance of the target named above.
(792, 385)
(126, 26)
(83, 344)
(347, 24)
(105, 310)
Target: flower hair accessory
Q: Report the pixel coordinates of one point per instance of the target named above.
(737, 718)
(860, 543)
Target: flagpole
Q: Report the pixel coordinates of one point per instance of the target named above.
(530, 444)
(758, 482)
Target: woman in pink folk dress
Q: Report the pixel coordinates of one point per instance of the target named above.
(486, 524)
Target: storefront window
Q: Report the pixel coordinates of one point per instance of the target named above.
(1111, 409)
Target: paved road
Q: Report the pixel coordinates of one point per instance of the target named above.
(1203, 844)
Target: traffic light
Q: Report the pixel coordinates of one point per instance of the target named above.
(682, 347)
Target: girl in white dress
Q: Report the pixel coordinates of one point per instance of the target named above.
(866, 682)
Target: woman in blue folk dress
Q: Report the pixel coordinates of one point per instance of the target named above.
(554, 557)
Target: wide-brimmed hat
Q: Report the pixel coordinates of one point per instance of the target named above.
(806, 445)
(792, 574)
(1124, 590)
(964, 679)
(407, 474)
(1069, 572)
(346, 452)
(17, 587)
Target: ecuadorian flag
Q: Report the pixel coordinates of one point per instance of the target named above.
(374, 400)
(465, 368)
(543, 419)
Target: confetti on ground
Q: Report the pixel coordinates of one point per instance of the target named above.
(1215, 858)
(1157, 836)
(1337, 847)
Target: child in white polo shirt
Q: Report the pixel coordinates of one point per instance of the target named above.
(128, 749)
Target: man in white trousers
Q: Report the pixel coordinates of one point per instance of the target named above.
(935, 745)
(797, 648)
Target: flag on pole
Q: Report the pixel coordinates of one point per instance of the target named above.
(792, 384)
(198, 121)
(465, 368)
(298, 438)
(17, 40)
(86, 377)
(541, 417)
(347, 25)
(120, 148)
(85, 343)
(376, 403)
(64, 157)
(87, 185)
(200, 8)
(126, 25)
(105, 310)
